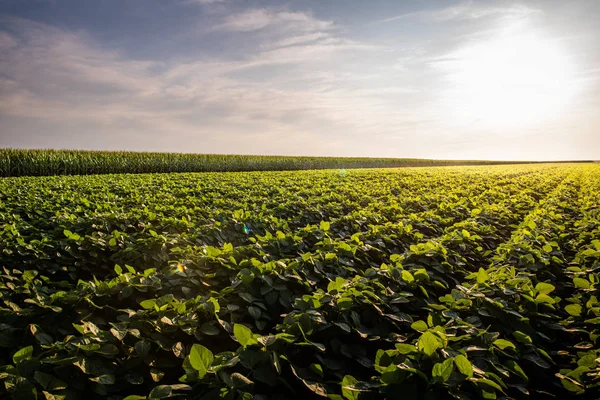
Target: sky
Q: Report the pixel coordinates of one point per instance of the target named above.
(501, 80)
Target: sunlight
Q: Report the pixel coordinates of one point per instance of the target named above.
(510, 81)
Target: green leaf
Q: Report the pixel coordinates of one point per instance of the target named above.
(482, 276)
(571, 384)
(530, 224)
(521, 337)
(148, 304)
(514, 367)
(537, 360)
(544, 298)
(254, 312)
(143, 347)
(547, 248)
(161, 392)
(589, 360)
(487, 384)
(404, 348)
(24, 354)
(573, 309)
(344, 303)
(544, 288)
(420, 326)
(333, 286)
(428, 343)
(581, 283)
(441, 371)
(49, 382)
(343, 326)
(503, 344)
(317, 369)
(112, 242)
(201, 359)
(407, 276)
(347, 388)
(43, 338)
(324, 225)
(209, 329)
(243, 335)
(421, 275)
(464, 365)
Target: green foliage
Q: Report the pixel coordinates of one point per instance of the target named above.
(410, 283)
(243, 335)
(201, 359)
(428, 343)
(464, 365)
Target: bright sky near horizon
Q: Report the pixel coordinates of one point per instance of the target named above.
(430, 79)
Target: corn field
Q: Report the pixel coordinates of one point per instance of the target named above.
(18, 162)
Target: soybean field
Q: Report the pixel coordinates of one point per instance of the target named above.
(414, 283)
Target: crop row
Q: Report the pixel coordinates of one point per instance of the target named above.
(421, 283)
(117, 222)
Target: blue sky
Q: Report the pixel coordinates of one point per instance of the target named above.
(432, 79)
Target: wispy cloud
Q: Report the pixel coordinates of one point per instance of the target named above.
(277, 80)
(56, 76)
(468, 10)
(202, 2)
(257, 19)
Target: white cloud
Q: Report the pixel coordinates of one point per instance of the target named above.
(467, 10)
(300, 39)
(285, 82)
(257, 19)
(65, 79)
(203, 2)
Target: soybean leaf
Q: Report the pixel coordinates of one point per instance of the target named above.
(201, 359)
(428, 343)
(347, 388)
(573, 309)
(243, 335)
(24, 354)
(441, 371)
(464, 365)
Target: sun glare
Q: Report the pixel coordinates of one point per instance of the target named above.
(510, 81)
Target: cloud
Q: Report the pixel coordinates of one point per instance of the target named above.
(467, 10)
(202, 2)
(50, 69)
(261, 80)
(257, 19)
(69, 82)
(299, 39)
